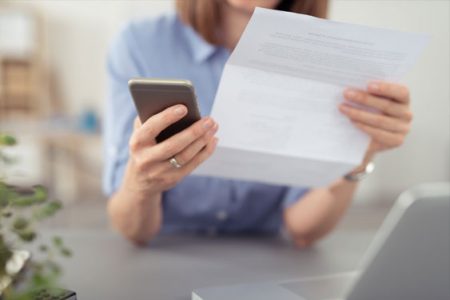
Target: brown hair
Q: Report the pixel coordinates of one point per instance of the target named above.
(204, 16)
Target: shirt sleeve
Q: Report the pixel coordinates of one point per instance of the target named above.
(122, 64)
(294, 194)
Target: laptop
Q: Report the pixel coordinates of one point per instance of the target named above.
(409, 259)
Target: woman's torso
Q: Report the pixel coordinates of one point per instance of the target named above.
(166, 48)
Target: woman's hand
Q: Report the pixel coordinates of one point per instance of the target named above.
(135, 209)
(387, 120)
(390, 121)
(149, 171)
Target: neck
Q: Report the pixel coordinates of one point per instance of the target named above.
(233, 25)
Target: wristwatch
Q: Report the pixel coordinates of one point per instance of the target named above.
(352, 176)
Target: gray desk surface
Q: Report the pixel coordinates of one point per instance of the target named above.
(106, 267)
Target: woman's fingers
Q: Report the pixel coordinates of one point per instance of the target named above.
(190, 151)
(386, 106)
(178, 142)
(375, 120)
(191, 147)
(383, 137)
(395, 91)
(166, 176)
(137, 123)
(150, 129)
(200, 157)
(183, 146)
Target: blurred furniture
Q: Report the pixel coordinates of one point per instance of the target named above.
(73, 165)
(23, 83)
(57, 154)
(106, 266)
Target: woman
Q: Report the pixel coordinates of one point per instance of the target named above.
(148, 194)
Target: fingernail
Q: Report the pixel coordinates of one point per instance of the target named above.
(208, 124)
(344, 107)
(350, 94)
(210, 133)
(180, 110)
(213, 130)
(374, 86)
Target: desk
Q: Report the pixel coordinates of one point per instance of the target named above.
(106, 267)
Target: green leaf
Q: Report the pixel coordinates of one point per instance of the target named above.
(7, 214)
(20, 224)
(40, 193)
(6, 193)
(39, 196)
(5, 254)
(66, 252)
(57, 241)
(26, 235)
(40, 280)
(47, 210)
(7, 140)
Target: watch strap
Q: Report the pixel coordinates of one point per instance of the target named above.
(357, 176)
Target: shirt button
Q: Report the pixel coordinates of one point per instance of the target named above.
(222, 215)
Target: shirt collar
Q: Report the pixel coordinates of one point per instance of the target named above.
(201, 50)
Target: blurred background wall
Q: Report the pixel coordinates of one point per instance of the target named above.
(73, 37)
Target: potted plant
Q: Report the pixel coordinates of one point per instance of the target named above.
(24, 276)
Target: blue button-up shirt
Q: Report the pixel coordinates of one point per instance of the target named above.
(166, 48)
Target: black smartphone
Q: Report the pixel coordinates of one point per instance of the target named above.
(151, 96)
